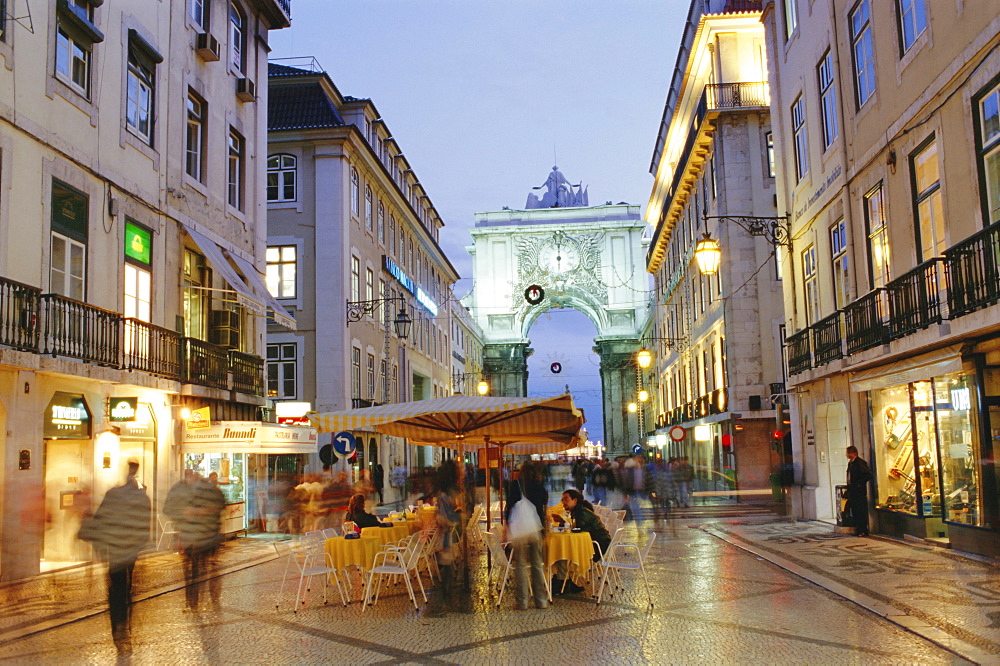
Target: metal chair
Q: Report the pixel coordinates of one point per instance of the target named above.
(636, 563)
(168, 530)
(395, 561)
(311, 559)
(499, 556)
(331, 533)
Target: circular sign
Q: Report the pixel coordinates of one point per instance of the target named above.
(636, 448)
(534, 294)
(344, 443)
(677, 433)
(326, 455)
(556, 368)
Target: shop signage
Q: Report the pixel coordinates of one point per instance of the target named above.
(24, 459)
(410, 286)
(138, 243)
(677, 433)
(67, 416)
(123, 409)
(249, 437)
(291, 413)
(200, 418)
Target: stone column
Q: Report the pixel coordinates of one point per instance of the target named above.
(618, 386)
(505, 368)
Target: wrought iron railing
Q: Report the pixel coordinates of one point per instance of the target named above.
(738, 95)
(76, 329)
(973, 270)
(247, 372)
(153, 349)
(828, 339)
(799, 352)
(19, 310)
(865, 322)
(915, 298)
(286, 6)
(204, 364)
(742, 6)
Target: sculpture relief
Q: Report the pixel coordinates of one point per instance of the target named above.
(560, 193)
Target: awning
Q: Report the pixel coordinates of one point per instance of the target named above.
(281, 315)
(244, 295)
(249, 437)
(916, 368)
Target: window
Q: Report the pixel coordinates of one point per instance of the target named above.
(281, 371)
(800, 138)
(199, 13)
(281, 265)
(355, 279)
(73, 61)
(368, 208)
(138, 260)
(195, 140)
(139, 87)
(382, 311)
(237, 156)
(988, 116)
(827, 99)
(369, 284)
(237, 36)
(281, 178)
(355, 192)
(811, 284)
(769, 142)
(355, 373)
(791, 18)
(864, 51)
(68, 249)
(370, 372)
(912, 21)
(392, 234)
(381, 222)
(927, 200)
(879, 255)
(841, 264)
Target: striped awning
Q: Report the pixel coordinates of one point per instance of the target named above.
(466, 422)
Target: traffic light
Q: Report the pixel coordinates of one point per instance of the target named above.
(737, 421)
(782, 423)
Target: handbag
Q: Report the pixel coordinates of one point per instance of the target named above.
(523, 524)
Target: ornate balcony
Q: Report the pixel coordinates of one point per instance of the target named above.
(915, 299)
(973, 271)
(828, 338)
(152, 349)
(20, 305)
(204, 364)
(865, 325)
(799, 352)
(248, 373)
(740, 95)
(79, 330)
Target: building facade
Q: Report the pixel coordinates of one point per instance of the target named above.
(349, 223)
(715, 340)
(888, 141)
(466, 351)
(131, 253)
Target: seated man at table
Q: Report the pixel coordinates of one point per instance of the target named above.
(356, 512)
(582, 514)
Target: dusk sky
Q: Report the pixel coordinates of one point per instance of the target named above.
(484, 96)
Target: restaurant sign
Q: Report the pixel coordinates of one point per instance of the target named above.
(123, 409)
(67, 417)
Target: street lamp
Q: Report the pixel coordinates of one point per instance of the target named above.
(632, 408)
(708, 253)
(643, 395)
(482, 387)
(644, 358)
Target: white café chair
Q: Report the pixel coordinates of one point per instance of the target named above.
(501, 560)
(627, 556)
(395, 561)
(331, 533)
(168, 532)
(311, 559)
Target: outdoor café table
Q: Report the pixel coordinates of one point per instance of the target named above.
(353, 552)
(572, 546)
(387, 535)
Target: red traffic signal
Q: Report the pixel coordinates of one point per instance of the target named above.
(778, 435)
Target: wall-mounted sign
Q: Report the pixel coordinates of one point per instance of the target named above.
(344, 443)
(402, 278)
(292, 412)
(67, 417)
(138, 243)
(24, 459)
(249, 437)
(123, 409)
(534, 294)
(200, 418)
(677, 433)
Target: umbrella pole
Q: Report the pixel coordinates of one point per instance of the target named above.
(500, 470)
(489, 519)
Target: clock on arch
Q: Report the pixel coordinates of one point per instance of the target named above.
(559, 254)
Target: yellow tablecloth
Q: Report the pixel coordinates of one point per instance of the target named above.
(413, 525)
(573, 546)
(387, 535)
(353, 552)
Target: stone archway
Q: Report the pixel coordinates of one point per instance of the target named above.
(587, 258)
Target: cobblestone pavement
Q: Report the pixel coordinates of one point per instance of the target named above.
(951, 598)
(713, 602)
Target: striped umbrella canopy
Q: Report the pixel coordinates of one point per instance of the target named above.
(468, 422)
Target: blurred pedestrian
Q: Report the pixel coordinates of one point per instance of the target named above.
(118, 531)
(683, 476)
(448, 518)
(378, 480)
(196, 506)
(528, 551)
(858, 476)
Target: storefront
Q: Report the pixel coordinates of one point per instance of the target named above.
(246, 457)
(932, 460)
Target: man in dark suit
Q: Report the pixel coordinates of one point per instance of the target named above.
(858, 476)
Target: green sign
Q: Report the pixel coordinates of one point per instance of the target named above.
(138, 243)
(123, 409)
(67, 417)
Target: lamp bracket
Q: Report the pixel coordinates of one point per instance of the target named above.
(774, 229)
(356, 310)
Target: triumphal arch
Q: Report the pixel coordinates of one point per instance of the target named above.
(588, 258)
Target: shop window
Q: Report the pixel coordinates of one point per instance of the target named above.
(924, 449)
(282, 366)
(281, 269)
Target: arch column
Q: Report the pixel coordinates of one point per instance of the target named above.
(505, 368)
(618, 387)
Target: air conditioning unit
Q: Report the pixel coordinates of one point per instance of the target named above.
(225, 319)
(228, 338)
(246, 90)
(207, 47)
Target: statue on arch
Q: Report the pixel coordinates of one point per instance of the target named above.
(560, 193)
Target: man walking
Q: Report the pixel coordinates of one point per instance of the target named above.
(858, 476)
(195, 505)
(118, 531)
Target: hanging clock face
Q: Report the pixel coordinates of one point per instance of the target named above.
(559, 255)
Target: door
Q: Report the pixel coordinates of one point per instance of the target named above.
(68, 486)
